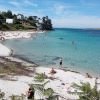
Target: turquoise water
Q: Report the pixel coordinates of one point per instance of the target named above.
(80, 49)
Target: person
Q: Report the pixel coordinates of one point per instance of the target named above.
(30, 95)
(52, 71)
(60, 62)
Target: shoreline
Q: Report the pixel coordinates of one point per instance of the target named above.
(24, 59)
(5, 35)
(29, 34)
(63, 76)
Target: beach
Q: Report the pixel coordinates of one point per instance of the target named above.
(4, 51)
(61, 81)
(17, 34)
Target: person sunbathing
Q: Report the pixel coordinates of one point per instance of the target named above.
(52, 71)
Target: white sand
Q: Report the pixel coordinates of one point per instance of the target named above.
(17, 34)
(4, 51)
(68, 78)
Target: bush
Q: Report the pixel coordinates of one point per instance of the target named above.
(17, 97)
(40, 77)
(18, 26)
(48, 92)
(4, 27)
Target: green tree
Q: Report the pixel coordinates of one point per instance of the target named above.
(88, 93)
(40, 84)
(9, 14)
(1, 16)
(41, 88)
(32, 21)
(46, 23)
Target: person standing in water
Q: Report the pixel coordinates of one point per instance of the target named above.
(60, 63)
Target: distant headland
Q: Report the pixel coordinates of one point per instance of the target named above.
(13, 22)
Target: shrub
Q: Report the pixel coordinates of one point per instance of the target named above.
(48, 92)
(40, 77)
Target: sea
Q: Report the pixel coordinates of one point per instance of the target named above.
(78, 48)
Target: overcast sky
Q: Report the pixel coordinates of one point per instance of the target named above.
(64, 13)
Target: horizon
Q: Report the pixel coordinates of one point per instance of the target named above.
(63, 13)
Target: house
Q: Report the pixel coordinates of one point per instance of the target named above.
(9, 21)
(20, 16)
(39, 24)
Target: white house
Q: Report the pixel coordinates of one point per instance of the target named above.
(9, 21)
(20, 16)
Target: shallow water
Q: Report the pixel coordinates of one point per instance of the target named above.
(80, 49)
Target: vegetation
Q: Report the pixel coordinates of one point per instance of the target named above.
(17, 97)
(46, 23)
(21, 22)
(11, 67)
(39, 85)
(41, 88)
(48, 92)
(40, 77)
(88, 93)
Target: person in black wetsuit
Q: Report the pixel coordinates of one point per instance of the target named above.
(60, 62)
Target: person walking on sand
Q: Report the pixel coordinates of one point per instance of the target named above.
(60, 63)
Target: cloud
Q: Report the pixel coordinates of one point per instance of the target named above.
(28, 2)
(80, 21)
(14, 3)
(23, 3)
(90, 4)
(59, 8)
(71, 15)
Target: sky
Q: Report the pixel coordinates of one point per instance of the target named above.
(64, 13)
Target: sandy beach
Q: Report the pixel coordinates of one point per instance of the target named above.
(61, 81)
(4, 51)
(17, 34)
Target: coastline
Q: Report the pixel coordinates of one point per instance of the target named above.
(4, 35)
(61, 82)
(62, 76)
